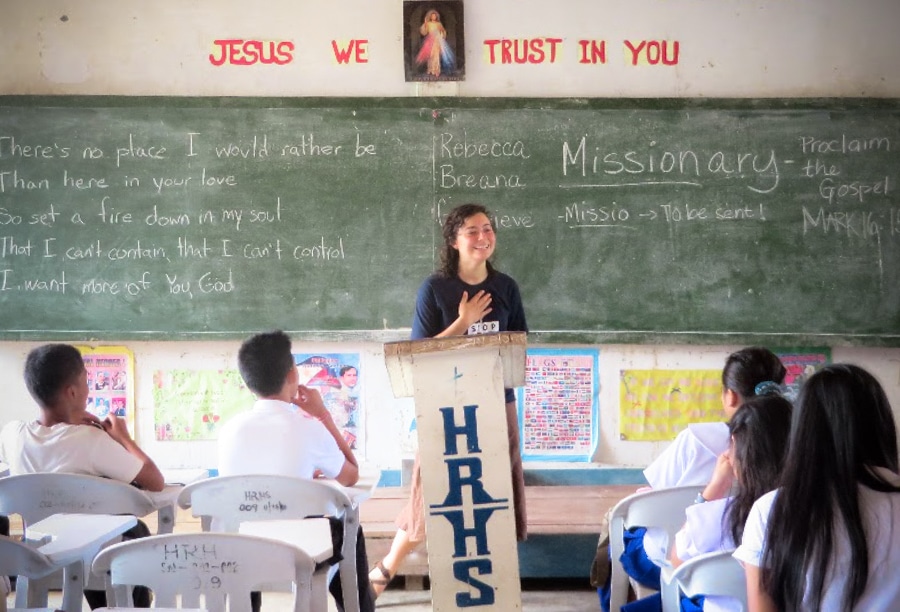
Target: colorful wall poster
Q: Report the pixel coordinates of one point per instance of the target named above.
(194, 404)
(110, 379)
(337, 378)
(801, 363)
(655, 405)
(559, 405)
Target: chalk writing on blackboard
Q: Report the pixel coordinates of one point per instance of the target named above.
(170, 218)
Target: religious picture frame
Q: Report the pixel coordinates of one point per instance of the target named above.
(434, 40)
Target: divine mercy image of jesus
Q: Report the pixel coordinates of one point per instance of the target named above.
(434, 34)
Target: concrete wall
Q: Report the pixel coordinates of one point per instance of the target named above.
(728, 48)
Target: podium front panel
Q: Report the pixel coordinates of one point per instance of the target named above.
(464, 451)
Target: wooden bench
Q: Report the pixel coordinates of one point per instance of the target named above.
(559, 518)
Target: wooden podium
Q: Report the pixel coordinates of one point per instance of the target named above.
(458, 386)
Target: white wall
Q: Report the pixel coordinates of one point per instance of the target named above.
(727, 48)
(386, 416)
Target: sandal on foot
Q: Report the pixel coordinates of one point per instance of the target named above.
(381, 580)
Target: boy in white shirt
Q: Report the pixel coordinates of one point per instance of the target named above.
(274, 437)
(67, 438)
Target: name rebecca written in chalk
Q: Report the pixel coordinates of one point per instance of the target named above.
(325, 199)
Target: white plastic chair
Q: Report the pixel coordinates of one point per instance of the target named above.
(211, 571)
(232, 500)
(716, 573)
(661, 508)
(33, 569)
(37, 496)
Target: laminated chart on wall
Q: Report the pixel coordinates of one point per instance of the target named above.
(194, 404)
(110, 380)
(559, 405)
(655, 405)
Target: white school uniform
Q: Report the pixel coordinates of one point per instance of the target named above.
(704, 532)
(881, 520)
(276, 438)
(691, 458)
(63, 447)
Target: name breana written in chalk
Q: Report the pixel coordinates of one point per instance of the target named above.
(450, 146)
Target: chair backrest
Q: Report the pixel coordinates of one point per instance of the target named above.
(36, 496)
(235, 499)
(220, 568)
(717, 573)
(19, 559)
(660, 508)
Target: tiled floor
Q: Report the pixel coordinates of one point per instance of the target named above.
(535, 598)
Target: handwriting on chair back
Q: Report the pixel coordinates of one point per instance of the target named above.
(201, 562)
(261, 502)
(65, 502)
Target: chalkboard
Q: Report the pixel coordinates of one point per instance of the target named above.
(676, 221)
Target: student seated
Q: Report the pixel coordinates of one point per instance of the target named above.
(829, 537)
(692, 457)
(690, 460)
(274, 437)
(746, 471)
(67, 438)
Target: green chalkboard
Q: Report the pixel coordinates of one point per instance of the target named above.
(775, 221)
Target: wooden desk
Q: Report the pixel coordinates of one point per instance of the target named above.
(71, 541)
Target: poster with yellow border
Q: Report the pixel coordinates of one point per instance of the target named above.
(110, 378)
(655, 405)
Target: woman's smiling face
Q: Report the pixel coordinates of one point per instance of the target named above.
(475, 239)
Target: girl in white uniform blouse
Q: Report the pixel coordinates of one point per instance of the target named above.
(829, 538)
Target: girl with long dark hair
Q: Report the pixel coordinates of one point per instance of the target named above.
(829, 537)
(759, 441)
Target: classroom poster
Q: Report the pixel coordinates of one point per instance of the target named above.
(559, 405)
(194, 404)
(337, 378)
(110, 379)
(800, 365)
(655, 405)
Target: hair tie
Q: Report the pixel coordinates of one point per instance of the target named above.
(767, 387)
